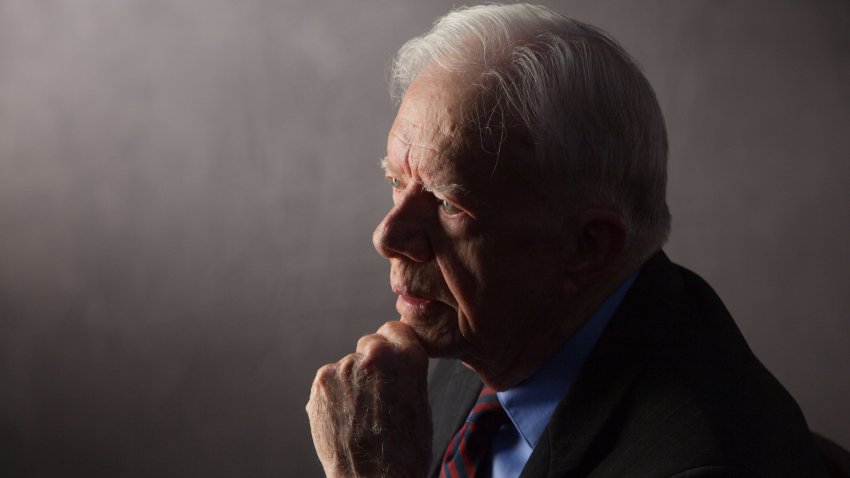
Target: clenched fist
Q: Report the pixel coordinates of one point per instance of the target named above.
(369, 412)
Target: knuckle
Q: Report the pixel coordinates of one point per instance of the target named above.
(365, 341)
(392, 327)
(310, 407)
(378, 349)
(326, 370)
(348, 363)
(324, 375)
(379, 355)
(372, 343)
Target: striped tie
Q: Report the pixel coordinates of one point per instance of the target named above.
(468, 454)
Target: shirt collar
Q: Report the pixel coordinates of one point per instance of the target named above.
(531, 403)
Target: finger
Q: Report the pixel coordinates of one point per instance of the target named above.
(321, 419)
(368, 343)
(348, 363)
(376, 352)
(401, 336)
(322, 382)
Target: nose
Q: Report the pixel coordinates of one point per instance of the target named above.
(402, 232)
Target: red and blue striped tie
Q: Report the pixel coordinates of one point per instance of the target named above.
(468, 454)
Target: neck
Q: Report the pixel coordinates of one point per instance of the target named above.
(547, 340)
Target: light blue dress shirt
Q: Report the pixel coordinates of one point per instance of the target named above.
(531, 403)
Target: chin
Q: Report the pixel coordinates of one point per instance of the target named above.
(440, 340)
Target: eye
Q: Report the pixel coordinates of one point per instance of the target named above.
(449, 208)
(396, 183)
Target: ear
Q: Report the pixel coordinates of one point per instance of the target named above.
(600, 236)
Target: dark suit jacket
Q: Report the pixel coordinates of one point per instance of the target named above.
(671, 389)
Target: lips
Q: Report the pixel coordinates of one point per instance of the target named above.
(413, 299)
(420, 289)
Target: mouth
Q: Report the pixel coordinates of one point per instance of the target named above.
(412, 299)
(415, 301)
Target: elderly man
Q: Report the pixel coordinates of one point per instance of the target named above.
(527, 165)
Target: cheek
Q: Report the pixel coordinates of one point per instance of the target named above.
(460, 264)
(481, 270)
(513, 277)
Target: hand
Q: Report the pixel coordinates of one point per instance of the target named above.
(369, 412)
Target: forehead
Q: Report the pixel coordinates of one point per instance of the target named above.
(435, 136)
(430, 122)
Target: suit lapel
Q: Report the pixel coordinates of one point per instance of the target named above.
(452, 391)
(575, 440)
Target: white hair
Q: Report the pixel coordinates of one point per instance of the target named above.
(592, 115)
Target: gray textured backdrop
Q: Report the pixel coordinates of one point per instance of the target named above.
(188, 188)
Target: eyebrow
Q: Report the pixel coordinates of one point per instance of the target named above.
(441, 188)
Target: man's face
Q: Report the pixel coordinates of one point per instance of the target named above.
(477, 270)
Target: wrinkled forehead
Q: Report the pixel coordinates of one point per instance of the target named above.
(431, 122)
(435, 109)
(444, 118)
